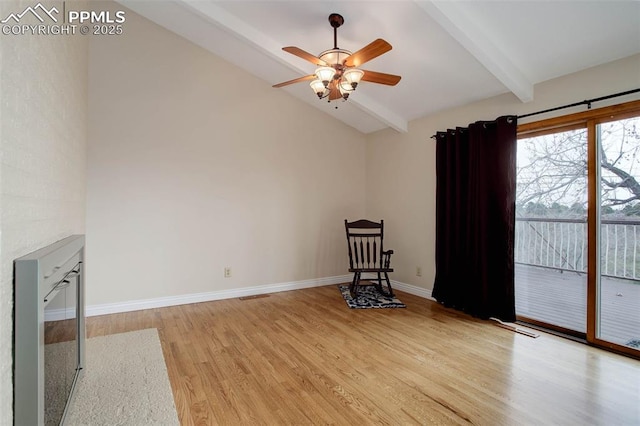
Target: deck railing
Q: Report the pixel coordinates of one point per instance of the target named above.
(562, 244)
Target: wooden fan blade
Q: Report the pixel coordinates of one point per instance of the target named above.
(381, 78)
(304, 55)
(295, 80)
(367, 53)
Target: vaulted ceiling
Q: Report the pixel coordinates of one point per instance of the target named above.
(449, 53)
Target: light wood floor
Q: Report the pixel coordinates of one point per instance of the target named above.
(303, 357)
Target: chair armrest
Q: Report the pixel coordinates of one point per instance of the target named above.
(386, 258)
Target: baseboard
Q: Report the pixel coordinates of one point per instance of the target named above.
(161, 302)
(412, 289)
(59, 314)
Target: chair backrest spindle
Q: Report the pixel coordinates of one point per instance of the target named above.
(374, 252)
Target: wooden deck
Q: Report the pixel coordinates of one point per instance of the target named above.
(560, 298)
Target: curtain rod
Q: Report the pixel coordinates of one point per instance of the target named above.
(587, 102)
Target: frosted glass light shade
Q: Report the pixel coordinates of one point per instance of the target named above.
(325, 74)
(318, 87)
(353, 76)
(345, 88)
(334, 56)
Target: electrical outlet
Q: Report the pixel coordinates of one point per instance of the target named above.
(418, 271)
(227, 272)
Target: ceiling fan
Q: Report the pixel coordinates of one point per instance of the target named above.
(339, 74)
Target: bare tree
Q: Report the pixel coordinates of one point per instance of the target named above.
(621, 161)
(552, 168)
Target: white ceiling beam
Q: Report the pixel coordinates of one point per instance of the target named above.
(219, 17)
(382, 113)
(258, 40)
(465, 31)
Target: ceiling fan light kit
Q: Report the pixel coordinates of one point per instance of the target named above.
(345, 89)
(318, 87)
(353, 76)
(325, 75)
(338, 74)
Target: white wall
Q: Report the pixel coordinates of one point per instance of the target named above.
(195, 165)
(43, 133)
(402, 191)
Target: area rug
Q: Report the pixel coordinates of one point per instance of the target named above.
(369, 298)
(125, 382)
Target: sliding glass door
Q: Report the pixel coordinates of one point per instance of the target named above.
(577, 239)
(551, 229)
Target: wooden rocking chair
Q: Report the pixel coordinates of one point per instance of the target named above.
(367, 255)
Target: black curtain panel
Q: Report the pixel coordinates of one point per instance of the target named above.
(475, 218)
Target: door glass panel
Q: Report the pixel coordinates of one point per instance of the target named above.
(551, 229)
(618, 294)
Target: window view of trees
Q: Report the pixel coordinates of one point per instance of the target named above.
(551, 201)
(620, 165)
(552, 172)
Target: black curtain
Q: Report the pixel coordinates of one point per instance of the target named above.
(475, 218)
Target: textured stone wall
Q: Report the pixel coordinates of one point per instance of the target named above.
(43, 138)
